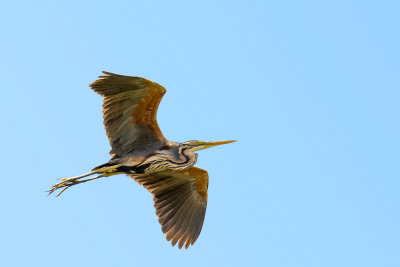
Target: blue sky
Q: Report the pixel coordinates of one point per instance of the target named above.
(309, 88)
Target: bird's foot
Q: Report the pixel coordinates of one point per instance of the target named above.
(68, 182)
(64, 185)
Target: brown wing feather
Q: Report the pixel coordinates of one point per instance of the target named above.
(130, 112)
(180, 199)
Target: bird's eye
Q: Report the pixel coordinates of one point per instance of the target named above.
(191, 143)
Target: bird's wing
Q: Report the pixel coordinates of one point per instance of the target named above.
(180, 199)
(129, 110)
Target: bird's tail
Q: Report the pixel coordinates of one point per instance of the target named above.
(106, 168)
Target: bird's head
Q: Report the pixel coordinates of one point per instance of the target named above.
(195, 145)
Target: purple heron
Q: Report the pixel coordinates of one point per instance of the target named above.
(139, 150)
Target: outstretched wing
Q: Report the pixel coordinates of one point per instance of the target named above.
(180, 199)
(129, 110)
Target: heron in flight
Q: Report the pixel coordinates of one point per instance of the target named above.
(139, 150)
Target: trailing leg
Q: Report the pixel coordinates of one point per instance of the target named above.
(71, 181)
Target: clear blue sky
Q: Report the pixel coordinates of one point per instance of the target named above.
(310, 89)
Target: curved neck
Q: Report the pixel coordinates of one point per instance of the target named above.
(178, 159)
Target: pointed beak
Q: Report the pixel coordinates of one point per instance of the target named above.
(204, 145)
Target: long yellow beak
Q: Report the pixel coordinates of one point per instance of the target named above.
(204, 145)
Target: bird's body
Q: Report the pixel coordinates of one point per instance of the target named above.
(139, 150)
(172, 155)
